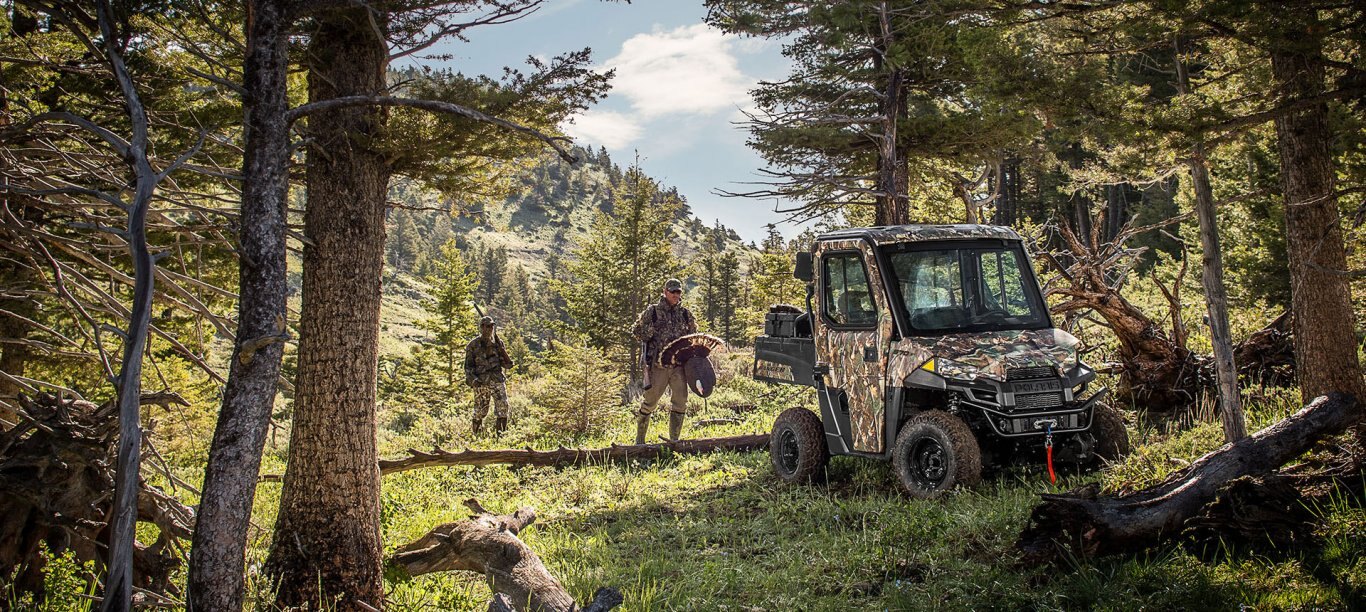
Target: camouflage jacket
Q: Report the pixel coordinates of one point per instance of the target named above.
(484, 363)
(661, 324)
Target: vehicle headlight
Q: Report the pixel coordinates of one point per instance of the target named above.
(948, 368)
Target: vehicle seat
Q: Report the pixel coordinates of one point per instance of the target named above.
(857, 308)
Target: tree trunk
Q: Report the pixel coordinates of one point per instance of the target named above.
(488, 544)
(1212, 276)
(1319, 289)
(217, 558)
(893, 201)
(1081, 524)
(327, 541)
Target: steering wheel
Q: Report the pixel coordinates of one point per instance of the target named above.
(992, 313)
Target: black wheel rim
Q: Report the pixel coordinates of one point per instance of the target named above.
(788, 451)
(929, 463)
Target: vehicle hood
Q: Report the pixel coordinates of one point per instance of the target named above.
(992, 354)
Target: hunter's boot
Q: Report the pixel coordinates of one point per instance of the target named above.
(476, 426)
(675, 425)
(500, 426)
(642, 426)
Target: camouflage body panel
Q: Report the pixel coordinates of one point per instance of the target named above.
(900, 234)
(847, 350)
(986, 354)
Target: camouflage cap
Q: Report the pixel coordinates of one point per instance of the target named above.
(673, 284)
(486, 322)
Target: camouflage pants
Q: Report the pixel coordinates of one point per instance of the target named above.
(670, 379)
(497, 393)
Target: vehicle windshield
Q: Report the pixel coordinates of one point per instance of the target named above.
(968, 289)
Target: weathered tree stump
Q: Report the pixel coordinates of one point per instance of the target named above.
(56, 484)
(1088, 525)
(488, 544)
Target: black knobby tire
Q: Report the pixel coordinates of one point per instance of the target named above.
(1107, 426)
(935, 452)
(797, 446)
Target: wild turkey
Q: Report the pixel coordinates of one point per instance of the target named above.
(691, 352)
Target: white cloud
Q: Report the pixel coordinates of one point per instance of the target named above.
(686, 70)
(607, 128)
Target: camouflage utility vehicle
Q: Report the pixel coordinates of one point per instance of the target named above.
(929, 346)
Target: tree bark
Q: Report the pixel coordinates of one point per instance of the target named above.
(1320, 294)
(217, 559)
(1080, 523)
(327, 541)
(893, 201)
(1216, 297)
(488, 544)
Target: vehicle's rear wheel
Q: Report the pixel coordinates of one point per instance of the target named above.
(1112, 440)
(797, 446)
(934, 452)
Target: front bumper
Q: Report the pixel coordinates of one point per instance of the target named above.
(1016, 408)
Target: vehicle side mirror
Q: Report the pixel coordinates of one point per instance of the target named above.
(802, 271)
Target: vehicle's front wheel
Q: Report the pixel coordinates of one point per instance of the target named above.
(797, 446)
(934, 452)
(1112, 440)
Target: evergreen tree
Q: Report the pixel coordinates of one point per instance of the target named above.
(452, 320)
(619, 268)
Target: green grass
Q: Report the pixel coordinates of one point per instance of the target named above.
(721, 532)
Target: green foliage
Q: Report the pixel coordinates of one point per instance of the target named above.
(453, 319)
(464, 157)
(620, 267)
(577, 391)
(67, 584)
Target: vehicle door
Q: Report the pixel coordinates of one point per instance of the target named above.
(854, 335)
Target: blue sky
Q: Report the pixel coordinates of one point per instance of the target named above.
(679, 90)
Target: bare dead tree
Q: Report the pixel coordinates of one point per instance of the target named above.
(1158, 372)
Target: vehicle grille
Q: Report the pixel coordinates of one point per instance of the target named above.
(1027, 373)
(1038, 401)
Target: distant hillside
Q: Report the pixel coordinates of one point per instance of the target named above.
(549, 209)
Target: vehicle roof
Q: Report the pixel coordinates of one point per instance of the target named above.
(894, 234)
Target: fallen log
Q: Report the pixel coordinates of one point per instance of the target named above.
(1081, 523)
(564, 456)
(572, 456)
(488, 544)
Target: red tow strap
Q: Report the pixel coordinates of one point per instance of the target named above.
(1048, 449)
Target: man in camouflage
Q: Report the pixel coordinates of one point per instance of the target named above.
(485, 359)
(662, 323)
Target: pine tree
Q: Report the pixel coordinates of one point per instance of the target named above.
(451, 320)
(620, 266)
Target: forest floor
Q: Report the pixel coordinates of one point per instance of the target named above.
(721, 532)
